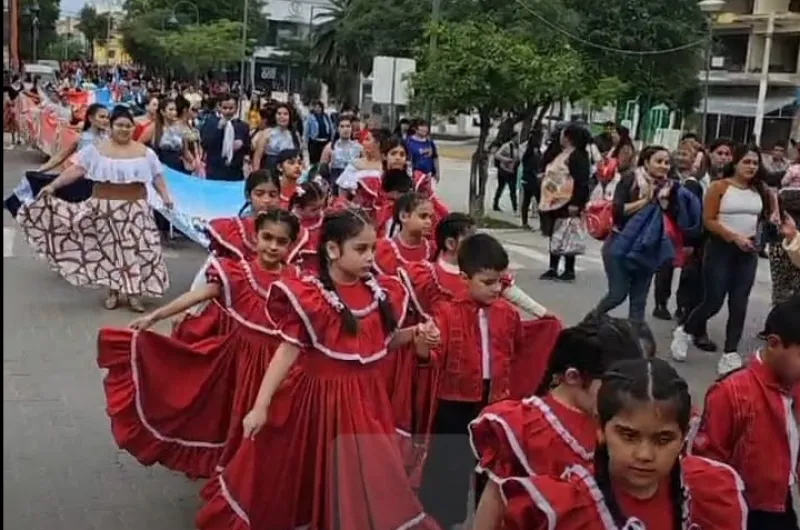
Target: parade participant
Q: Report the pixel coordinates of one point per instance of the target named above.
(116, 244)
(226, 141)
(336, 463)
(546, 433)
(182, 405)
(95, 130)
(422, 149)
(308, 204)
(639, 478)
(271, 142)
(407, 240)
(364, 173)
(480, 339)
(143, 132)
(753, 409)
(289, 167)
(735, 213)
(342, 151)
(234, 238)
(394, 184)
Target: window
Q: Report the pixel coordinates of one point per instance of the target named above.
(112, 54)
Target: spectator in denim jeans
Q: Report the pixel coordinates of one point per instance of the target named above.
(734, 212)
(635, 190)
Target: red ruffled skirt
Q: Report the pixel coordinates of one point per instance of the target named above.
(334, 464)
(179, 405)
(213, 320)
(412, 388)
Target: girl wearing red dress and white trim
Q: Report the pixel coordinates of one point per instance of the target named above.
(554, 429)
(361, 180)
(336, 463)
(180, 404)
(394, 184)
(290, 169)
(307, 204)
(408, 242)
(234, 238)
(640, 481)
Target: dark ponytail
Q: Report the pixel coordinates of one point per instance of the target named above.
(306, 193)
(454, 225)
(643, 381)
(338, 227)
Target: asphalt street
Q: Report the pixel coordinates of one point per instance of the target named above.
(61, 468)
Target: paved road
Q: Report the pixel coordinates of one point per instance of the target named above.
(61, 468)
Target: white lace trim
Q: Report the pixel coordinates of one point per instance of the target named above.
(559, 428)
(243, 234)
(140, 408)
(297, 248)
(516, 447)
(228, 299)
(403, 275)
(101, 168)
(312, 333)
(221, 241)
(399, 256)
(536, 496)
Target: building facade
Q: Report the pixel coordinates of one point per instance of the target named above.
(740, 36)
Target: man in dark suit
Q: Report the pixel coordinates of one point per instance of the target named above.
(226, 142)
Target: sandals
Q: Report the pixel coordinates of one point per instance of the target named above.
(135, 303)
(112, 300)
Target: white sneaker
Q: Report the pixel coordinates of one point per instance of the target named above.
(680, 344)
(728, 362)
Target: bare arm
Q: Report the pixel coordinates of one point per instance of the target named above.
(260, 143)
(402, 337)
(147, 134)
(68, 176)
(489, 514)
(326, 154)
(59, 159)
(285, 356)
(186, 301)
(161, 188)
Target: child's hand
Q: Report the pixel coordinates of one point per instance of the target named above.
(428, 333)
(143, 323)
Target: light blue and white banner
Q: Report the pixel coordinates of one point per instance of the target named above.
(197, 201)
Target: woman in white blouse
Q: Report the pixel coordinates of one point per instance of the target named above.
(111, 239)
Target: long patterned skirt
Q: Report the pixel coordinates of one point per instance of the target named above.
(98, 242)
(785, 276)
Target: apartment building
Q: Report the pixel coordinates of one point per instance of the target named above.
(740, 35)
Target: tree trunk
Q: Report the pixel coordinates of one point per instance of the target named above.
(478, 171)
(543, 110)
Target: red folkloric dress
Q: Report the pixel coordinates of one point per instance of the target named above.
(335, 463)
(182, 404)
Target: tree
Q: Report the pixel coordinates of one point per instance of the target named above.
(480, 66)
(645, 25)
(94, 27)
(47, 15)
(65, 48)
(197, 49)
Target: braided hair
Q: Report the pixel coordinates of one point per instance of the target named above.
(279, 216)
(638, 381)
(590, 348)
(339, 227)
(405, 204)
(305, 194)
(454, 225)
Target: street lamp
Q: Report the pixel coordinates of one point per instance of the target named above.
(33, 11)
(709, 7)
(173, 19)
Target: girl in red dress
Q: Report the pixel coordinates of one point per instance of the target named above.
(640, 480)
(394, 184)
(408, 241)
(289, 168)
(179, 404)
(336, 463)
(546, 433)
(308, 203)
(230, 237)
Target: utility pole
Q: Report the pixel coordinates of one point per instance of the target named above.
(434, 44)
(763, 84)
(244, 47)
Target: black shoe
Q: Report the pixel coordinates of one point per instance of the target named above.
(496, 209)
(662, 313)
(705, 344)
(549, 275)
(567, 276)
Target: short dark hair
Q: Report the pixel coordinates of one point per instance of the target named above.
(783, 321)
(481, 252)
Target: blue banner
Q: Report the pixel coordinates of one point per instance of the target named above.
(197, 201)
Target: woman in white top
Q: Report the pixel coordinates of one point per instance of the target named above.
(735, 211)
(364, 173)
(109, 240)
(342, 151)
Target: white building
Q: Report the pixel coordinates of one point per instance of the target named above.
(740, 37)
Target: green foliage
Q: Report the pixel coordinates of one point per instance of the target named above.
(644, 25)
(65, 48)
(94, 26)
(48, 15)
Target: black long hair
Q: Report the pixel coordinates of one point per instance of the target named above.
(93, 109)
(454, 225)
(643, 381)
(407, 203)
(590, 348)
(339, 227)
(758, 182)
(306, 193)
(279, 216)
(255, 179)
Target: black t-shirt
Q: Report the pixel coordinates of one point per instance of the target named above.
(11, 91)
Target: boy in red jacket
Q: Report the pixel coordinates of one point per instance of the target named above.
(750, 422)
(479, 338)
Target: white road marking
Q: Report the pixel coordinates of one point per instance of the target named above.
(170, 254)
(8, 242)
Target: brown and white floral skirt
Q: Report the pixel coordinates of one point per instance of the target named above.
(99, 243)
